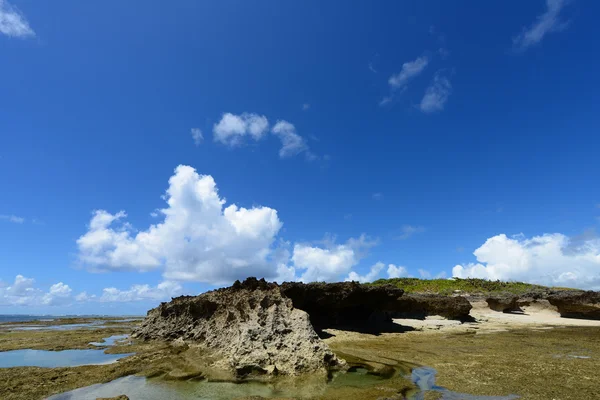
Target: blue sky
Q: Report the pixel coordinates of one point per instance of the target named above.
(398, 139)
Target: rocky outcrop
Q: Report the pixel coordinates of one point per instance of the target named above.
(252, 327)
(423, 305)
(343, 304)
(503, 303)
(576, 304)
(121, 397)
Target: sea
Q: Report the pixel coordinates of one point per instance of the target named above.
(26, 318)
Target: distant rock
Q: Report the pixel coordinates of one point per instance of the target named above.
(343, 303)
(503, 303)
(576, 304)
(423, 305)
(252, 326)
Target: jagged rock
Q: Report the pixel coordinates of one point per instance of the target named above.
(576, 304)
(121, 397)
(342, 303)
(251, 326)
(422, 305)
(503, 303)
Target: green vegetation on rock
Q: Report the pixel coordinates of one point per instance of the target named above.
(471, 285)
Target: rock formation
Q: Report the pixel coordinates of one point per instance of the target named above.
(252, 327)
(343, 304)
(576, 304)
(422, 305)
(503, 303)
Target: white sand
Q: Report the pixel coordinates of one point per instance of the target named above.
(538, 316)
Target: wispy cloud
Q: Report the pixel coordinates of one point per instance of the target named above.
(12, 218)
(377, 196)
(291, 143)
(409, 70)
(545, 23)
(12, 21)
(436, 95)
(197, 136)
(409, 230)
(305, 106)
(372, 68)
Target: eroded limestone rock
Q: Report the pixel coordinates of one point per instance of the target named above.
(576, 304)
(252, 326)
(343, 303)
(423, 305)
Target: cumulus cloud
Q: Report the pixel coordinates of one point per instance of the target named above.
(23, 293)
(409, 230)
(331, 262)
(396, 271)
(373, 273)
(232, 129)
(545, 23)
(197, 136)
(409, 70)
(12, 218)
(163, 291)
(12, 22)
(291, 143)
(436, 95)
(59, 293)
(200, 239)
(549, 259)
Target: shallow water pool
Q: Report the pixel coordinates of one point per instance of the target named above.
(55, 359)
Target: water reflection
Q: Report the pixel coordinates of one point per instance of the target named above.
(110, 341)
(424, 378)
(54, 359)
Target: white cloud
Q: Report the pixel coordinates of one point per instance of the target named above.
(116, 248)
(23, 293)
(163, 291)
(330, 263)
(83, 296)
(232, 129)
(377, 196)
(305, 106)
(409, 230)
(197, 136)
(198, 240)
(369, 277)
(547, 22)
(12, 218)
(59, 293)
(394, 271)
(436, 95)
(291, 143)
(424, 274)
(12, 22)
(409, 70)
(549, 259)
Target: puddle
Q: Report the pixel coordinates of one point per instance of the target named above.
(55, 359)
(64, 358)
(158, 389)
(109, 341)
(94, 324)
(424, 378)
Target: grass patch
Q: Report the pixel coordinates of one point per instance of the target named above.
(470, 285)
